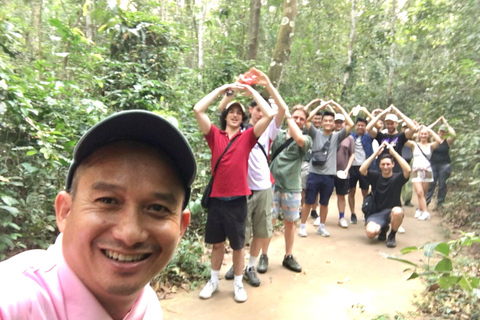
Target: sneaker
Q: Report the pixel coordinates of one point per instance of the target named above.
(240, 293)
(262, 264)
(424, 216)
(230, 273)
(382, 236)
(418, 213)
(343, 223)
(401, 230)
(290, 263)
(209, 289)
(314, 214)
(250, 275)
(353, 218)
(408, 204)
(323, 232)
(302, 232)
(317, 222)
(391, 241)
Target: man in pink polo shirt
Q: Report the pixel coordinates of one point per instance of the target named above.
(121, 219)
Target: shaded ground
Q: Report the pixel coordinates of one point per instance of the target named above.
(345, 276)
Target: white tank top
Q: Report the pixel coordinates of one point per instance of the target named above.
(419, 160)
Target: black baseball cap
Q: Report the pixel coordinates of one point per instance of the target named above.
(144, 126)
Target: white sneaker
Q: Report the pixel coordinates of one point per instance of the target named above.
(424, 216)
(323, 232)
(418, 213)
(302, 232)
(209, 289)
(401, 229)
(240, 293)
(343, 223)
(317, 222)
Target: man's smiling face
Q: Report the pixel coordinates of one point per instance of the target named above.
(123, 220)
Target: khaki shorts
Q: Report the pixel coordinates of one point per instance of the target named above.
(259, 214)
(422, 176)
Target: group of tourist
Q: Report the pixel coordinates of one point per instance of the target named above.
(261, 171)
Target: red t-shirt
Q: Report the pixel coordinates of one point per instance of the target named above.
(231, 175)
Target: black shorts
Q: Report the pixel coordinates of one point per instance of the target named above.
(342, 186)
(226, 219)
(382, 218)
(356, 176)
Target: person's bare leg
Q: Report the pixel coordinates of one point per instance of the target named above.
(289, 236)
(351, 199)
(372, 229)
(425, 186)
(265, 245)
(218, 250)
(341, 203)
(323, 213)
(422, 203)
(305, 212)
(396, 218)
(238, 261)
(364, 193)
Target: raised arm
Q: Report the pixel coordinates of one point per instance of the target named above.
(263, 80)
(348, 120)
(451, 132)
(435, 123)
(294, 130)
(371, 129)
(435, 136)
(367, 113)
(312, 114)
(364, 167)
(410, 124)
(402, 162)
(268, 113)
(201, 107)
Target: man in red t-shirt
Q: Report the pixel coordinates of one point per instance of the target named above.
(227, 209)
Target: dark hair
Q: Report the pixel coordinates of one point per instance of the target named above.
(386, 156)
(361, 119)
(223, 118)
(319, 113)
(253, 103)
(328, 113)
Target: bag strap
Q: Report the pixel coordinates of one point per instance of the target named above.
(264, 152)
(224, 151)
(328, 140)
(283, 146)
(428, 159)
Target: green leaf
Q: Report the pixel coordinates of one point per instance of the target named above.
(447, 281)
(9, 201)
(409, 249)
(13, 211)
(27, 166)
(429, 248)
(403, 260)
(444, 265)
(443, 248)
(31, 153)
(14, 226)
(413, 276)
(466, 283)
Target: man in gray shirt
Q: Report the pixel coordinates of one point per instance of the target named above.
(323, 165)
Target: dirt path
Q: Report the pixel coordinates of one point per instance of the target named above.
(344, 276)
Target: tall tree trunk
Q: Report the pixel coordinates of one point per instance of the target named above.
(201, 19)
(89, 27)
(253, 26)
(193, 31)
(37, 8)
(392, 55)
(284, 42)
(349, 68)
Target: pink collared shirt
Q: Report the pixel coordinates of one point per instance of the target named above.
(38, 284)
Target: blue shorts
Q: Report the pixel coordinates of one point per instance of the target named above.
(289, 203)
(317, 183)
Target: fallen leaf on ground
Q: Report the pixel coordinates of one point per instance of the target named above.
(344, 280)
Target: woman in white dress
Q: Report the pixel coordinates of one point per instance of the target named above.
(422, 174)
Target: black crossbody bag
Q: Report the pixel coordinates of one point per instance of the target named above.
(208, 188)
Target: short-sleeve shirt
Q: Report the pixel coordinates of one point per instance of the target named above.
(318, 140)
(231, 176)
(258, 169)
(39, 284)
(397, 140)
(387, 191)
(287, 166)
(345, 150)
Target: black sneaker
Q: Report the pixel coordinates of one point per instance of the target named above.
(314, 214)
(391, 241)
(408, 204)
(290, 263)
(353, 218)
(383, 234)
(230, 273)
(262, 264)
(251, 277)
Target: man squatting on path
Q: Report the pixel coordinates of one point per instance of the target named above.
(227, 210)
(386, 187)
(121, 218)
(321, 177)
(259, 203)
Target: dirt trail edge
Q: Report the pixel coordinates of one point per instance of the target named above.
(345, 276)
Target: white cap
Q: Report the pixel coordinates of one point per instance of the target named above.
(392, 117)
(340, 117)
(235, 103)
